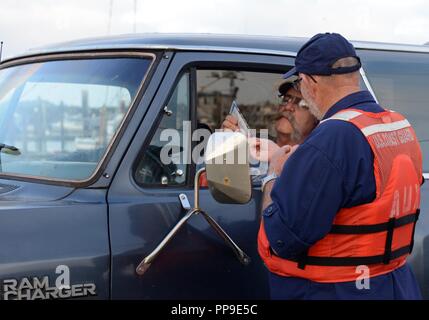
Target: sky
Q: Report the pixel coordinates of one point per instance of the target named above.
(26, 24)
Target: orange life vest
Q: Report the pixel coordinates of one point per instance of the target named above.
(379, 234)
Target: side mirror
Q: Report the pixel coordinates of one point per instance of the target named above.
(227, 167)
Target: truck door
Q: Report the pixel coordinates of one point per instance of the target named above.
(58, 118)
(143, 198)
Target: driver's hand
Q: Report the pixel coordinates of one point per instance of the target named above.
(262, 149)
(230, 123)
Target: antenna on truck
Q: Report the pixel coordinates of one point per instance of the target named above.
(135, 16)
(1, 49)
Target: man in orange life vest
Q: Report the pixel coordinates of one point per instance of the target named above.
(339, 210)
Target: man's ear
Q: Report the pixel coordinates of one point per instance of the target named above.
(305, 79)
(308, 82)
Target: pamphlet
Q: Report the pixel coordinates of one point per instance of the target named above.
(242, 123)
(257, 168)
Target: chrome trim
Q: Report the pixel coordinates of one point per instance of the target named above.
(390, 47)
(144, 265)
(239, 253)
(426, 176)
(73, 46)
(182, 48)
(131, 108)
(367, 83)
(197, 187)
(360, 45)
(34, 52)
(25, 59)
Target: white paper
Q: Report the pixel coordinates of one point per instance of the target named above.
(242, 123)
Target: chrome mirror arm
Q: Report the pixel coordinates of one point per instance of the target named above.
(147, 261)
(241, 255)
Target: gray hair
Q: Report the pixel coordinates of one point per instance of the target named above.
(345, 62)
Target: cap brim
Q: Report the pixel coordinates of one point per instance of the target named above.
(290, 73)
(284, 87)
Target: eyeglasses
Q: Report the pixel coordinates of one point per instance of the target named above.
(285, 99)
(297, 83)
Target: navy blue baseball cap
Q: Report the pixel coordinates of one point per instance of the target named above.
(318, 54)
(284, 88)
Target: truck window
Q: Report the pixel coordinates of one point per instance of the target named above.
(163, 162)
(400, 81)
(57, 118)
(255, 93)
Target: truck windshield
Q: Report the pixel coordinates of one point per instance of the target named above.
(62, 115)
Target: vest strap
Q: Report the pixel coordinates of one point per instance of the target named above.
(385, 258)
(414, 230)
(389, 237)
(374, 228)
(302, 260)
(352, 261)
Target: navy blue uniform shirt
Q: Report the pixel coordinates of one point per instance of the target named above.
(331, 169)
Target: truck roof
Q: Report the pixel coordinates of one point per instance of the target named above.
(277, 45)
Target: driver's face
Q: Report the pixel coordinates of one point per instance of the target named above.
(290, 101)
(299, 116)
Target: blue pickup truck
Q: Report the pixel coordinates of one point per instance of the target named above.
(84, 197)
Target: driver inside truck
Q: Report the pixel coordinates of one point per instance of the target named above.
(293, 123)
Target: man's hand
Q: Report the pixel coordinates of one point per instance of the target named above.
(230, 123)
(262, 149)
(279, 158)
(276, 165)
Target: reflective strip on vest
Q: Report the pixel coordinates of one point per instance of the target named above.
(385, 127)
(346, 116)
